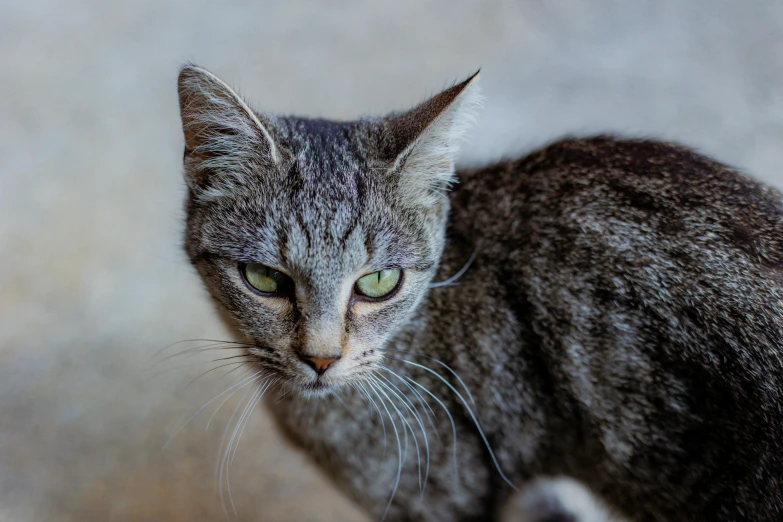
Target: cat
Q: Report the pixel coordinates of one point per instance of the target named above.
(605, 309)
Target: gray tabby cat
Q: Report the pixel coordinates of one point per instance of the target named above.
(619, 321)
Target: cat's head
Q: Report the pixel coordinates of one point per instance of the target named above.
(317, 238)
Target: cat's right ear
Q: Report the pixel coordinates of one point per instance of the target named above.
(225, 140)
(422, 143)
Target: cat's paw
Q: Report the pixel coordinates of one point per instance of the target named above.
(557, 500)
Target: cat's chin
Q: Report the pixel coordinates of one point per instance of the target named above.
(316, 389)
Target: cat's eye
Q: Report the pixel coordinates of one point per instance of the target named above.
(265, 279)
(379, 284)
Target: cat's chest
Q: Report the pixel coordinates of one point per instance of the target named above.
(338, 424)
(346, 437)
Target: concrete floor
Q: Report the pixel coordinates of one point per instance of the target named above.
(92, 279)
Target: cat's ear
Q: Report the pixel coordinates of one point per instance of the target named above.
(224, 139)
(424, 141)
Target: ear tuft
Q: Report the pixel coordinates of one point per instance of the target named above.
(425, 140)
(224, 139)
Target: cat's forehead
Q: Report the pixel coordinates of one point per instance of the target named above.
(328, 174)
(320, 225)
(326, 210)
(324, 148)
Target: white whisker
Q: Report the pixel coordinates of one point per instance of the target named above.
(453, 428)
(230, 448)
(399, 451)
(233, 443)
(472, 416)
(441, 363)
(227, 398)
(201, 363)
(190, 352)
(264, 389)
(406, 424)
(414, 411)
(243, 382)
(453, 279)
(333, 394)
(215, 342)
(380, 415)
(427, 408)
(219, 461)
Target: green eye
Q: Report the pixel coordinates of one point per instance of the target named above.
(378, 284)
(266, 279)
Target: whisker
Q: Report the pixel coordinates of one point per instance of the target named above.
(412, 409)
(201, 363)
(399, 452)
(354, 386)
(430, 418)
(193, 341)
(241, 384)
(406, 426)
(285, 394)
(441, 363)
(373, 403)
(202, 374)
(187, 354)
(453, 427)
(231, 447)
(219, 461)
(213, 345)
(453, 279)
(245, 365)
(239, 427)
(472, 416)
(333, 394)
(427, 408)
(278, 386)
(209, 422)
(264, 387)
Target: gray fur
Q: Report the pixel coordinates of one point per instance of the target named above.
(620, 324)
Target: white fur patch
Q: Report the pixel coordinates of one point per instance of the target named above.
(548, 498)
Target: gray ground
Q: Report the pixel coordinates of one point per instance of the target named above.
(92, 280)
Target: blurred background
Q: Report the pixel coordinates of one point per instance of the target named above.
(92, 278)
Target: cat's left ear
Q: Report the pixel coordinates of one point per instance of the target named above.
(225, 140)
(424, 141)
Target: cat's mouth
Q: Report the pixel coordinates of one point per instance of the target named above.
(316, 388)
(316, 385)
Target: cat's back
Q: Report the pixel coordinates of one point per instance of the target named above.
(646, 185)
(599, 221)
(645, 211)
(634, 261)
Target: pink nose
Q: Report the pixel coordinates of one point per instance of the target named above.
(319, 364)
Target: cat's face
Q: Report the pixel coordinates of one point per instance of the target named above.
(318, 239)
(284, 256)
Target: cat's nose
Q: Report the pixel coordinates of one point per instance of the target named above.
(319, 364)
